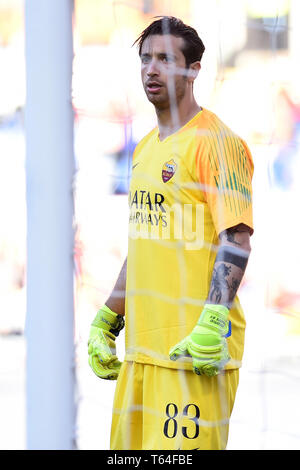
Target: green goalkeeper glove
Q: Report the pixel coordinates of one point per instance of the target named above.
(206, 344)
(101, 344)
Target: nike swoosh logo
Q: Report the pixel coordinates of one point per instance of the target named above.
(133, 166)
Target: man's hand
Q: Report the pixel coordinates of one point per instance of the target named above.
(101, 345)
(206, 344)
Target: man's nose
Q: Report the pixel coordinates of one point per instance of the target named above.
(152, 68)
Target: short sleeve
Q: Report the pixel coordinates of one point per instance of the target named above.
(225, 170)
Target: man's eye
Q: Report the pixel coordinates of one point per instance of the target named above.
(145, 60)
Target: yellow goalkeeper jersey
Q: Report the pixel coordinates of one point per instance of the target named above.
(184, 191)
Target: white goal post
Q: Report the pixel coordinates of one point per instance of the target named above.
(50, 374)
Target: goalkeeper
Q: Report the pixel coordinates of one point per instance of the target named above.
(177, 290)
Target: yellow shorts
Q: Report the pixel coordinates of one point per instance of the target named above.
(158, 408)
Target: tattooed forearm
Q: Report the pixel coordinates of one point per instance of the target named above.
(230, 264)
(229, 268)
(225, 282)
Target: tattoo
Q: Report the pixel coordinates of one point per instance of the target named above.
(219, 283)
(235, 284)
(232, 255)
(230, 234)
(229, 267)
(225, 282)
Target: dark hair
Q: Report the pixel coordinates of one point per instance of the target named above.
(193, 46)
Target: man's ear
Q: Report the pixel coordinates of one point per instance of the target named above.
(194, 69)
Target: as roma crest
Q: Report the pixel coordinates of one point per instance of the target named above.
(168, 170)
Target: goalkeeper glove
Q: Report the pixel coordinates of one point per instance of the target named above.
(206, 344)
(101, 344)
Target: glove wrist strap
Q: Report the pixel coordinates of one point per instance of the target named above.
(215, 317)
(109, 320)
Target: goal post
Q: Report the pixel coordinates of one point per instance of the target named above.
(49, 329)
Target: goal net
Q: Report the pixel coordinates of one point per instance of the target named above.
(249, 78)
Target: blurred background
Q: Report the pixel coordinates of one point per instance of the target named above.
(250, 77)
